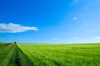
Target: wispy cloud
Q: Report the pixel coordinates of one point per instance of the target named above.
(97, 37)
(74, 38)
(85, 8)
(55, 38)
(14, 28)
(8, 35)
(1, 38)
(75, 0)
(74, 18)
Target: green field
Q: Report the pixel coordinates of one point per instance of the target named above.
(11, 55)
(62, 54)
(50, 54)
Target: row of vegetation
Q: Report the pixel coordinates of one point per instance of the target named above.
(11, 55)
(5, 53)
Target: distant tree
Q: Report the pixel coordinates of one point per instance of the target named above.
(14, 42)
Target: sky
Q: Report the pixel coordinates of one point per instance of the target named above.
(50, 21)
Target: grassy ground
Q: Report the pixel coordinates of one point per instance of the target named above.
(11, 55)
(62, 54)
(50, 54)
(5, 53)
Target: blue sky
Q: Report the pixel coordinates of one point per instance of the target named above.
(50, 21)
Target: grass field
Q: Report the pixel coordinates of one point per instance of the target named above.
(49, 54)
(62, 54)
(11, 55)
(5, 53)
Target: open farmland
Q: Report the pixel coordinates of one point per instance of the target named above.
(6, 51)
(62, 54)
(11, 55)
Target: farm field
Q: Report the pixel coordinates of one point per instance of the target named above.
(6, 51)
(62, 54)
(11, 55)
(49, 54)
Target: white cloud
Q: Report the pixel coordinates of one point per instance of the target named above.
(85, 8)
(74, 38)
(55, 38)
(13, 28)
(97, 37)
(74, 18)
